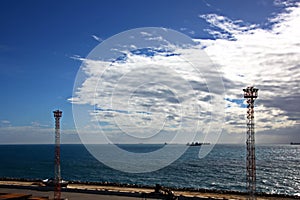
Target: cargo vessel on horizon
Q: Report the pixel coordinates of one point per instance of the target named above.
(197, 144)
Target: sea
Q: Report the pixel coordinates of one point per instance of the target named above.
(224, 168)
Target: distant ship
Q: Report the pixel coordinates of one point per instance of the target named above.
(197, 144)
(295, 143)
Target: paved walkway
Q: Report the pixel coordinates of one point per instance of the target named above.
(68, 195)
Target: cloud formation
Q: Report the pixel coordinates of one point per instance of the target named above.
(136, 88)
(267, 58)
(97, 38)
(155, 87)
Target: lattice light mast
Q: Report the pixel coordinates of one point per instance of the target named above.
(57, 176)
(250, 93)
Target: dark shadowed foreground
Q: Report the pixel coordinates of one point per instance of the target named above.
(79, 191)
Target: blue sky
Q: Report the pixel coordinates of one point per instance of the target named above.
(39, 40)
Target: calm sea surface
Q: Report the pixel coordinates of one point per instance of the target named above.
(278, 167)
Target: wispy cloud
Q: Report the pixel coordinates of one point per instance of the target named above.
(37, 124)
(97, 38)
(225, 28)
(5, 123)
(187, 31)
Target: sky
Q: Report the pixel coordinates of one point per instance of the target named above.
(45, 44)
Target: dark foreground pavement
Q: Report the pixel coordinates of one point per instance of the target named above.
(68, 195)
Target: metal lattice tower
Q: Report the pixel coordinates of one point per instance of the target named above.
(251, 93)
(57, 176)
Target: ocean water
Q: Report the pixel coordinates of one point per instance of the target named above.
(278, 167)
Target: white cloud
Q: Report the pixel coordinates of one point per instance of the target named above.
(37, 124)
(150, 90)
(5, 122)
(142, 92)
(138, 91)
(146, 34)
(225, 28)
(266, 58)
(187, 31)
(97, 38)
